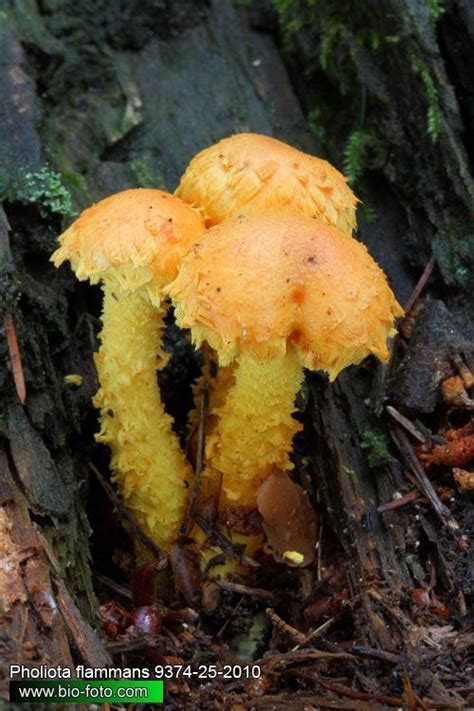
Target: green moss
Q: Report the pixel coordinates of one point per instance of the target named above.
(369, 37)
(376, 444)
(436, 8)
(335, 63)
(145, 175)
(333, 32)
(415, 567)
(32, 26)
(364, 149)
(368, 210)
(433, 113)
(316, 124)
(293, 15)
(354, 162)
(73, 181)
(455, 254)
(47, 190)
(142, 172)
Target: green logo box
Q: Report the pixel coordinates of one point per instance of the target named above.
(78, 691)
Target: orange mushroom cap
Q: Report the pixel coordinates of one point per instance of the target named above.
(136, 236)
(267, 283)
(250, 174)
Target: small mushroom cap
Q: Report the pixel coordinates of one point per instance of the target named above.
(250, 174)
(267, 283)
(136, 236)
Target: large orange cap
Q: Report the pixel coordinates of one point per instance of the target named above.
(136, 237)
(251, 174)
(271, 282)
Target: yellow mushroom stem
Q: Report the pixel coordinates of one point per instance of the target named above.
(255, 427)
(149, 467)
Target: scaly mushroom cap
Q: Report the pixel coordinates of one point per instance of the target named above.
(266, 283)
(136, 236)
(251, 174)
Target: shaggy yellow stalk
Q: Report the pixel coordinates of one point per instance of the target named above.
(148, 464)
(276, 293)
(255, 426)
(132, 242)
(249, 434)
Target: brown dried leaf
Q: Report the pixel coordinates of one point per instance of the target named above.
(289, 520)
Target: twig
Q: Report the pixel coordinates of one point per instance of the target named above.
(344, 690)
(405, 623)
(377, 654)
(199, 462)
(320, 551)
(292, 632)
(415, 295)
(425, 485)
(133, 645)
(462, 604)
(463, 370)
(463, 689)
(397, 503)
(116, 587)
(270, 663)
(125, 513)
(315, 633)
(245, 590)
(229, 618)
(411, 700)
(15, 358)
(406, 423)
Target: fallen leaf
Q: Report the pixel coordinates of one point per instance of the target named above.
(289, 520)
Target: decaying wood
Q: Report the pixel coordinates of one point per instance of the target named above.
(32, 628)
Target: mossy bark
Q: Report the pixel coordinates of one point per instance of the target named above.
(387, 94)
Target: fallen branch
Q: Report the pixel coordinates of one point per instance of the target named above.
(404, 446)
(246, 590)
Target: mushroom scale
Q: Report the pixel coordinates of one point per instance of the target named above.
(132, 242)
(250, 174)
(273, 294)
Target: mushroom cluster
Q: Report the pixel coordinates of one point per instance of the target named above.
(275, 284)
